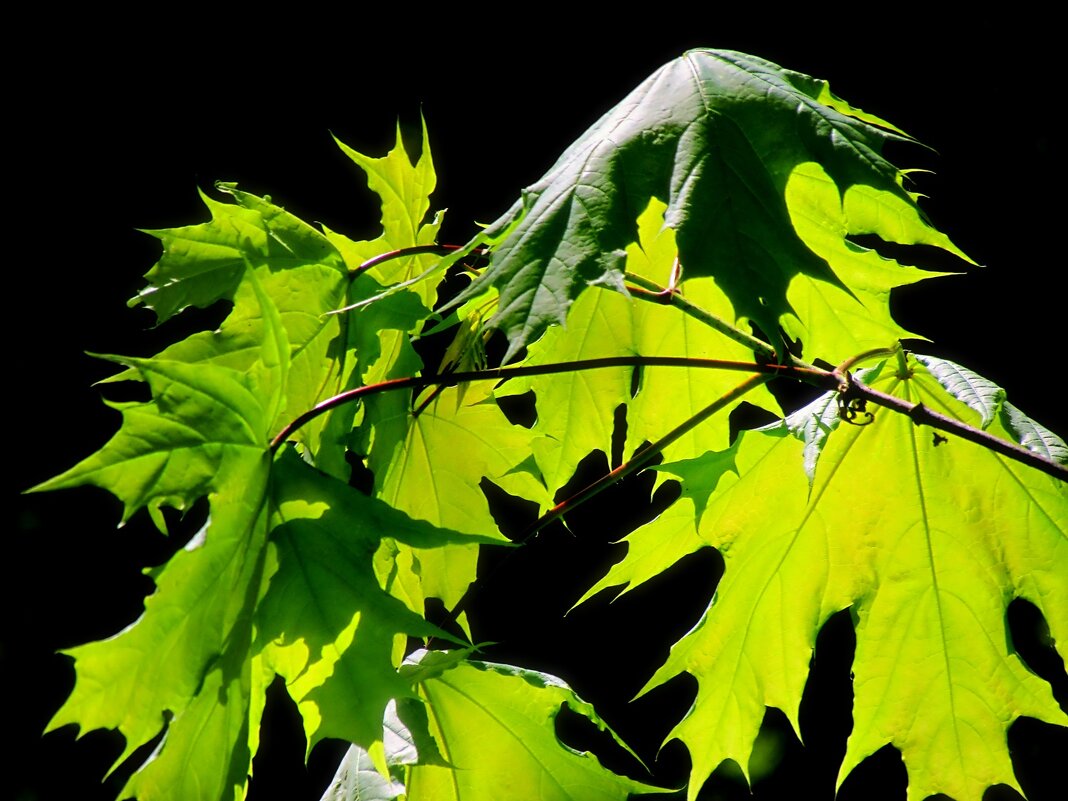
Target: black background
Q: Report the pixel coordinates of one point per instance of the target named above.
(115, 129)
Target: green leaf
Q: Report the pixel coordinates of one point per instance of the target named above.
(204, 263)
(494, 723)
(304, 295)
(186, 659)
(837, 319)
(738, 187)
(970, 388)
(304, 275)
(576, 410)
(327, 625)
(925, 541)
(405, 190)
(723, 139)
(379, 332)
(202, 434)
(207, 750)
(157, 666)
(651, 549)
(203, 425)
(433, 472)
(1033, 435)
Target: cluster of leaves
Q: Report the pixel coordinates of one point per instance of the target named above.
(724, 191)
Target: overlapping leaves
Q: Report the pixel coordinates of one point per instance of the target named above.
(722, 138)
(726, 181)
(294, 573)
(494, 726)
(925, 541)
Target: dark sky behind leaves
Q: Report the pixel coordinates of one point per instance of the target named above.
(112, 128)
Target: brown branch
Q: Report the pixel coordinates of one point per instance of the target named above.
(670, 296)
(924, 415)
(637, 462)
(644, 456)
(414, 250)
(830, 380)
(822, 378)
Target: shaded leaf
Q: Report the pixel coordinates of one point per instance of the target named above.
(357, 779)
(327, 625)
(576, 410)
(717, 136)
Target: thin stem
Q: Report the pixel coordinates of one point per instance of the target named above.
(812, 375)
(831, 380)
(874, 353)
(651, 291)
(414, 250)
(644, 456)
(845, 385)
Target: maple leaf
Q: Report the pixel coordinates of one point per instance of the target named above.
(735, 187)
(278, 580)
(750, 160)
(324, 622)
(927, 562)
(494, 725)
(204, 263)
(303, 274)
(204, 433)
(432, 468)
(576, 410)
(473, 716)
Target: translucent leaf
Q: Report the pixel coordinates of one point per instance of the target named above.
(432, 470)
(926, 540)
(494, 723)
(576, 410)
(404, 189)
(327, 624)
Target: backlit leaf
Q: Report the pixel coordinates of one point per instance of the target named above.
(186, 659)
(494, 723)
(329, 627)
(925, 541)
(576, 410)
